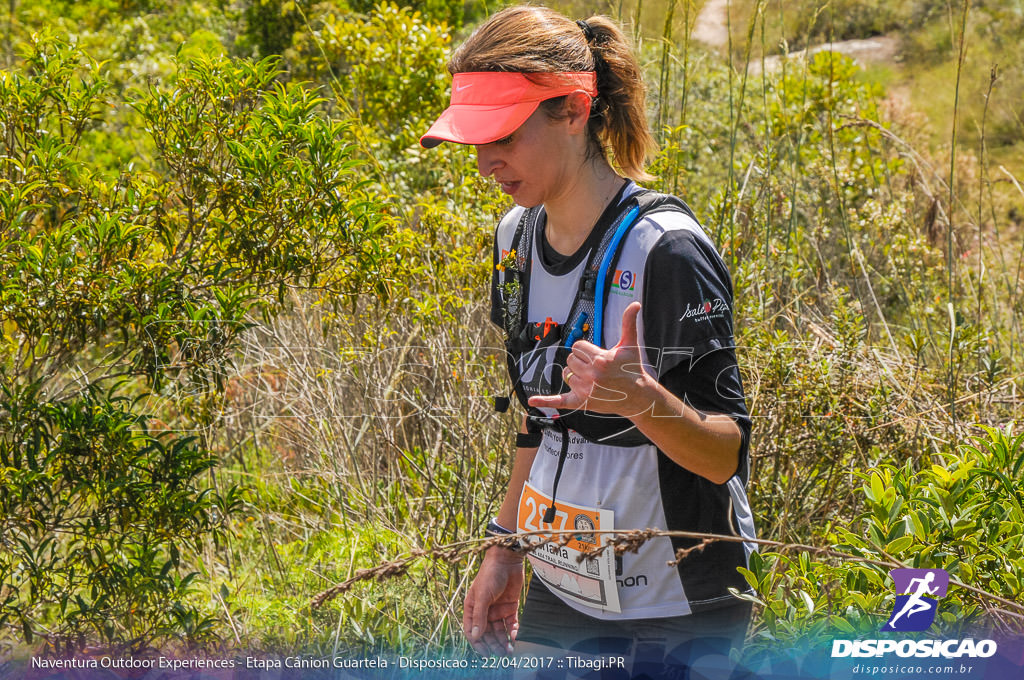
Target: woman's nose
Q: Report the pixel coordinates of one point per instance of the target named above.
(487, 160)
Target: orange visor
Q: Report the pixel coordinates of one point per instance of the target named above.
(488, 106)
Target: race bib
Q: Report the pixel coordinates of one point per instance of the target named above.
(588, 580)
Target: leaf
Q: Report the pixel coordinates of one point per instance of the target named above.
(877, 490)
(808, 602)
(917, 527)
(749, 577)
(899, 545)
(842, 625)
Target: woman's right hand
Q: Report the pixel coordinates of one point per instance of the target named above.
(490, 617)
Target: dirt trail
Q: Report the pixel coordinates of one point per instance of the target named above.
(883, 48)
(711, 28)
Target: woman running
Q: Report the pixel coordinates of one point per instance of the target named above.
(617, 313)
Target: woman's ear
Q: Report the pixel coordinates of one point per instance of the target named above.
(577, 110)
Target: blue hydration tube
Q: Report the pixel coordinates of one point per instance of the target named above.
(602, 273)
(577, 330)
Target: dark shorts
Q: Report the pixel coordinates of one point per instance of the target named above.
(654, 648)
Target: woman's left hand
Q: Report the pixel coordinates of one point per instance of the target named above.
(605, 380)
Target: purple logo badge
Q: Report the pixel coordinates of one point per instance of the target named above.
(917, 598)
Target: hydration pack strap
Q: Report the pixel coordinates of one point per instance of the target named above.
(610, 258)
(586, 315)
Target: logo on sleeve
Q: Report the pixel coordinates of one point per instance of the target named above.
(705, 311)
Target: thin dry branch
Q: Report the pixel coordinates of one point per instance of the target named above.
(621, 542)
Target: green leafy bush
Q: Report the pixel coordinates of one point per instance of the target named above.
(124, 299)
(270, 25)
(387, 65)
(95, 513)
(964, 514)
(175, 222)
(792, 26)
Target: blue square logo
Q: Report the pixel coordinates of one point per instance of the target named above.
(917, 598)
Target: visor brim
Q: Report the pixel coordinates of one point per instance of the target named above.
(474, 124)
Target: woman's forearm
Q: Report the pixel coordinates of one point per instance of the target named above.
(706, 444)
(508, 514)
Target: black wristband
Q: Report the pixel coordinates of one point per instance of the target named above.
(528, 440)
(495, 530)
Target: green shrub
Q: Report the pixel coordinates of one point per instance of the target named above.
(270, 25)
(387, 66)
(792, 26)
(964, 515)
(125, 299)
(96, 512)
(146, 234)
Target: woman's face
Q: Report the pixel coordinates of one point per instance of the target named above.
(538, 162)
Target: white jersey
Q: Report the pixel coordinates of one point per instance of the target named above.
(669, 264)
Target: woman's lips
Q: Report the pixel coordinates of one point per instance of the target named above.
(509, 187)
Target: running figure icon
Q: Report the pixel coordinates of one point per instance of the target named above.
(918, 591)
(915, 603)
